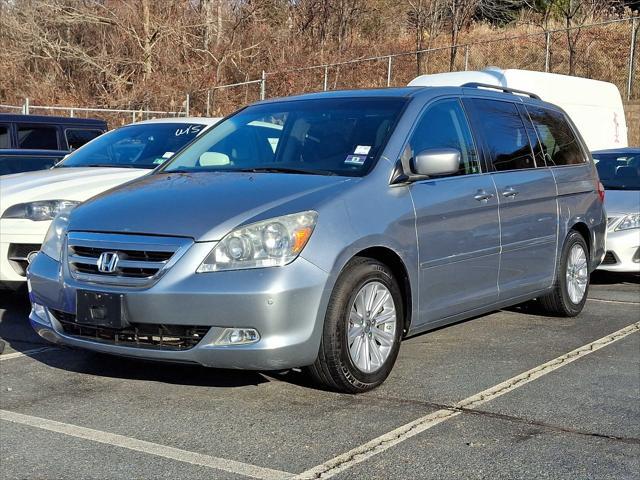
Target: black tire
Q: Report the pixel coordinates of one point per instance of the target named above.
(334, 368)
(558, 302)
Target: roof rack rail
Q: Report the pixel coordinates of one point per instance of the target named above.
(502, 89)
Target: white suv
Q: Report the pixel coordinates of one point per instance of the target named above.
(30, 200)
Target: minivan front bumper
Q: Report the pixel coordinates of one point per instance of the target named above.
(285, 305)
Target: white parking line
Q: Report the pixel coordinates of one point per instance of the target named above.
(164, 451)
(384, 442)
(612, 301)
(26, 353)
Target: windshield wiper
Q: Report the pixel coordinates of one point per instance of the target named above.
(104, 165)
(183, 170)
(284, 170)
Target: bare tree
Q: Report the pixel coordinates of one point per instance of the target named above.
(425, 19)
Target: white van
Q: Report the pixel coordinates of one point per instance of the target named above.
(594, 106)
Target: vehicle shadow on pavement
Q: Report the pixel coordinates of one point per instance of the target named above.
(601, 277)
(18, 335)
(15, 330)
(111, 366)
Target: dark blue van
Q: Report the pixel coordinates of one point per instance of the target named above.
(36, 142)
(47, 133)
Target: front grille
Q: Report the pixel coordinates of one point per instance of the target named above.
(140, 259)
(18, 254)
(609, 259)
(140, 335)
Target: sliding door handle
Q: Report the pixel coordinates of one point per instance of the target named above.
(510, 192)
(483, 196)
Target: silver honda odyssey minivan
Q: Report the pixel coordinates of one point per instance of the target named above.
(318, 231)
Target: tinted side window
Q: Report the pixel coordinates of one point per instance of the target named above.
(77, 137)
(444, 125)
(533, 137)
(35, 136)
(560, 145)
(5, 141)
(504, 133)
(17, 164)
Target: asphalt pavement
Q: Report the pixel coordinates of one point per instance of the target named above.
(512, 394)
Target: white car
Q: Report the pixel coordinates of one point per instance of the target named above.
(619, 171)
(30, 200)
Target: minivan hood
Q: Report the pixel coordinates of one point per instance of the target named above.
(204, 206)
(621, 202)
(63, 183)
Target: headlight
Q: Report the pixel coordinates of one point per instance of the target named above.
(39, 211)
(630, 221)
(54, 239)
(274, 242)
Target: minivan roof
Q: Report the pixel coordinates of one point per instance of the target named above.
(20, 118)
(358, 93)
(409, 92)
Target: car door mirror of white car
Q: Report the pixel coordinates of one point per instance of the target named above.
(436, 162)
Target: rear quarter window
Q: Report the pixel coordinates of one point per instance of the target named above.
(77, 137)
(559, 143)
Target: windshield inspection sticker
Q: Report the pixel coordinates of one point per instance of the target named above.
(355, 159)
(168, 154)
(362, 150)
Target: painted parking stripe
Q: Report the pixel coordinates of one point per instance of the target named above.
(623, 302)
(164, 451)
(384, 442)
(26, 353)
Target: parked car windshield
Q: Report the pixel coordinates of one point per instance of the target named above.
(134, 146)
(334, 136)
(618, 171)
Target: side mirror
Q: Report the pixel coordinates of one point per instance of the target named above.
(435, 162)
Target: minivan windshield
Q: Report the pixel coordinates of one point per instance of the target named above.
(145, 145)
(326, 136)
(618, 171)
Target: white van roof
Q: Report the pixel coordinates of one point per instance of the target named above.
(594, 106)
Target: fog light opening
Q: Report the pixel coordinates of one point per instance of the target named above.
(238, 336)
(40, 312)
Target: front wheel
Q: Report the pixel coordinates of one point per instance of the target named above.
(569, 293)
(363, 328)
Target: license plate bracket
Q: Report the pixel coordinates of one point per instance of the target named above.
(100, 309)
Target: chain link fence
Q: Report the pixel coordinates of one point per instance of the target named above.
(606, 51)
(114, 116)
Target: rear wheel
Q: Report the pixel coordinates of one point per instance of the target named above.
(569, 293)
(362, 331)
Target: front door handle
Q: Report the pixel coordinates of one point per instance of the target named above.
(510, 192)
(483, 196)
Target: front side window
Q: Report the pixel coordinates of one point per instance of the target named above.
(444, 125)
(77, 137)
(559, 143)
(5, 140)
(327, 136)
(18, 163)
(144, 145)
(504, 134)
(618, 171)
(38, 137)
